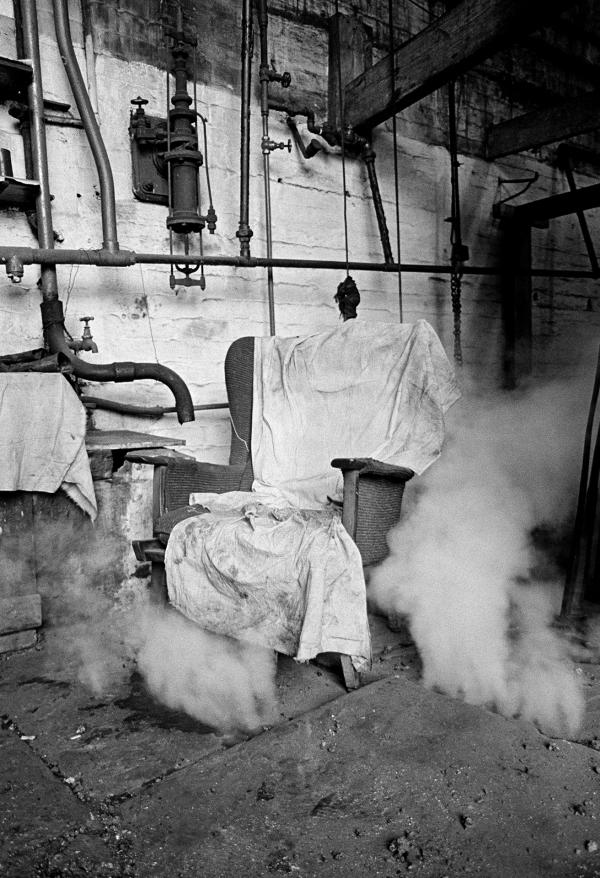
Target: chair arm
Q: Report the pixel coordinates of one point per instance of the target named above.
(185, 477)
(369, 466)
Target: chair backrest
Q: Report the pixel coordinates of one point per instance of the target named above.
(239, 373)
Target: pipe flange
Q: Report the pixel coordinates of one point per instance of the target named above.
(124, 371)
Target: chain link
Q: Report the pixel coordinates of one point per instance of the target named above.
(455, 291)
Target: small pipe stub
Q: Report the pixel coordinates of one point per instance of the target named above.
(14, 268)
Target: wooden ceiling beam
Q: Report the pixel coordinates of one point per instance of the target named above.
(532, 130)
(455, 42)
(536, 212)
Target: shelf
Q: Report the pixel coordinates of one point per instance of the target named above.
(18, 193)
(15, 76)
(113, 440)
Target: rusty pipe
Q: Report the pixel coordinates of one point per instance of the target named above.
(52, 363)
(52, 309)
(244, 232)
(90, 124)
(33, 256)
(263, 24)
(142, 411)
(54, 332)
(37, 136)
(368, 156)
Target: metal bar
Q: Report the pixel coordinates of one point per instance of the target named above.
(92, 130)
(125, 258)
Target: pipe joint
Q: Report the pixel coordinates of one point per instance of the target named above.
(124, 371)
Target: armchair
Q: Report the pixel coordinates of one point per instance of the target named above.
(372, 495)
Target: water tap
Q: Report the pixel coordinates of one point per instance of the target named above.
(86, 342)
(268, 145)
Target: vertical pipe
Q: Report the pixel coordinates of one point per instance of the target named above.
(263, 21)
(244, 233)
(368, 156)
(39, 152)
(82, 99)
(90, 54)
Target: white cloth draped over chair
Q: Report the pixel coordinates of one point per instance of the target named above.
(275, 565)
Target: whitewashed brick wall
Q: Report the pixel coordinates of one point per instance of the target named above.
(137, 315)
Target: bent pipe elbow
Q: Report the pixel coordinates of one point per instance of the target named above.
(121, 371)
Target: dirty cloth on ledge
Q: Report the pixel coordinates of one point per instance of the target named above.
(42, 438)
(284, 578)
(376, 390)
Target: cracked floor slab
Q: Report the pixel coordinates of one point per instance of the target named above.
(383, 781)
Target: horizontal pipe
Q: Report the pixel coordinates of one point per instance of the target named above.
(125, 258)
(23, 356)
(142, 411)
(52, 363)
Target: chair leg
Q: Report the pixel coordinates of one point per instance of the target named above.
(158, 584)
(351, 677)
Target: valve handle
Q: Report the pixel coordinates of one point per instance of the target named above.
(139, 102)
(85, 319)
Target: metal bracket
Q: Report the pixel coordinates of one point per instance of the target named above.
(565, 164)
(148, 138)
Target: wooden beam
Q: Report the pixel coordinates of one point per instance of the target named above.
(349, 55)
(540, 211)
(564, 120)
(468, 33)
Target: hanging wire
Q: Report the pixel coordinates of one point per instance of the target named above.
(395, 143)
(342, 126)
(73, 278)
(70, 286)
(147, 301)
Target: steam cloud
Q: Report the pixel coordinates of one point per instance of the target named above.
(478, 595)
(224, 683)
(220, 682)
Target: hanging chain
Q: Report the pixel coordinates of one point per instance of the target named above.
(455, 291)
